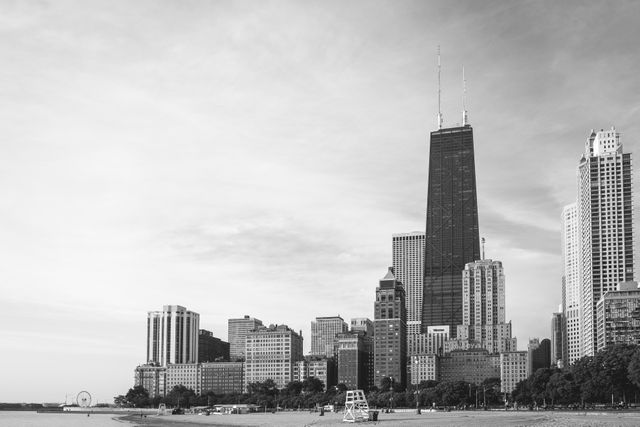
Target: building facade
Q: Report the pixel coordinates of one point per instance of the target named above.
(185, 374)
(605, 215)
(408, 267)
(172, 336)
(354, 358)
(271, 353)
(513, 369)
(152, 378)
(452, 236)
(390, 343)
(424, 367)
(571, 284)
(222, 377)
(362, 324)
(618, 316)
(558, 343)
(211, 349)
(434, 341)
(538, 355)
(472, 366)
(237, 334)
(483, 308)
(323, 335)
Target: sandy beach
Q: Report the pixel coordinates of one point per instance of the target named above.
(468, 418)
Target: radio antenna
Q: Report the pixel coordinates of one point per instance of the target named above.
(439, 110)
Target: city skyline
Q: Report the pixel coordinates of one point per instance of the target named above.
(250, 158)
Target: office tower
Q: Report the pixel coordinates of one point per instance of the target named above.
(483, 308)
(538, 355)
(354, 351)
(323, 335)
(606, 225)
(424, 367)
(211, 349)
(237, 334)
(558, 342)
(362, 324)
(452, 237)
(390, 328)
(618, 315)
(408, 262)
(571, 286)
(271, 353)
(172, 336)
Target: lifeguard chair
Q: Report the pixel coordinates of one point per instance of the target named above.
(356, 407)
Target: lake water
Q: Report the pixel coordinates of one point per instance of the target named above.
(33, 419)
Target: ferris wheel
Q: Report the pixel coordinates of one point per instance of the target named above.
(83, 399)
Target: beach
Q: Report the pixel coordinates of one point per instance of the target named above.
(456, 419)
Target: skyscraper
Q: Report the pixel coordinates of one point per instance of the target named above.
(483, 308)
(172, 336)
(408, 267)
(323, 335)
(452, 236)
(390, 328)
(606, 225)
(237, 333)
(571, 288)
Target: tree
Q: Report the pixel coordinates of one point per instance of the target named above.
(181, 396)
(293, 388)
(312, 385)
(138, 397)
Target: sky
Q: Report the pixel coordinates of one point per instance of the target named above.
(239, 157)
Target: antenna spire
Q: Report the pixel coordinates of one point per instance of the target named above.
(465, 115)
(482, 240)
(439, 111)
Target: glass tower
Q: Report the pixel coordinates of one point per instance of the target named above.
(452, 237)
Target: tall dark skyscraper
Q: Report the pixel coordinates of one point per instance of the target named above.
(452, 237)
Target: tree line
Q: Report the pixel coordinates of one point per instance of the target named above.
(611, 376)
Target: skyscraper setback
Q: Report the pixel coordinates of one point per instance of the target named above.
(452, 235)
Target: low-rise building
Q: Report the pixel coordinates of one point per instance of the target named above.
(152, 378)
(186, 374)
(472, 366)
(222, 377)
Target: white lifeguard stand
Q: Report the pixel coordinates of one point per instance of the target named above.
(356, 407)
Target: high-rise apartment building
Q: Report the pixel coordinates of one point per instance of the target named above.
(483, 308)
(605, 215)
(323, 335)
(618, 316)
(172, 336)
(237, 334)
(452, 236)
(408, 267)
(571, 286)
(271, 353)
(390, 329)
